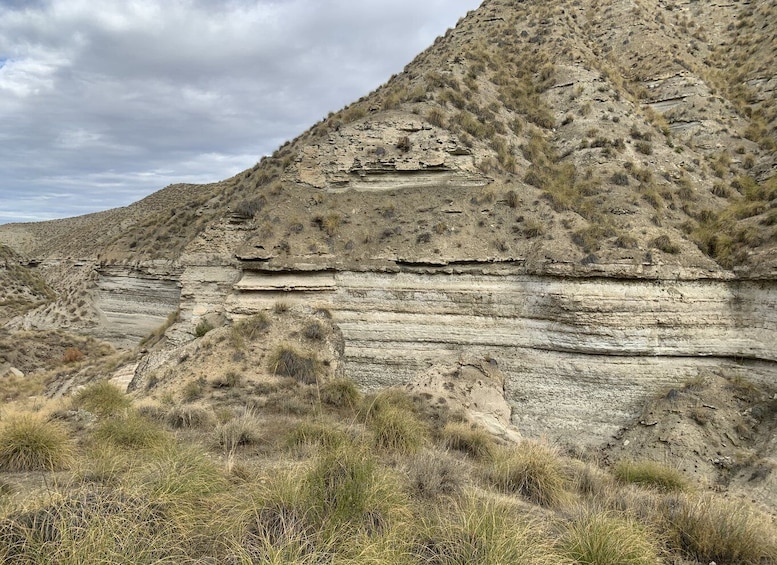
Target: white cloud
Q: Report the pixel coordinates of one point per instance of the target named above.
(116, 99)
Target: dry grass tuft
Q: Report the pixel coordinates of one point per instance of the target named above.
(605, 538)
(467, 438)
(102, 398)
(30, 443)
(533, 470)
(289, 362)
(651, 474)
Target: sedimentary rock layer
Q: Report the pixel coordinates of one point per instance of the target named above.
(133, 303)
(580, 355)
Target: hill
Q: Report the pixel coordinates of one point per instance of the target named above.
(559, 222)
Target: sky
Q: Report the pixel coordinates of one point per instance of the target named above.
(103, 102)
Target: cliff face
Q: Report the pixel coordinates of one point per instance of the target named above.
(580, 355)
(582, 193)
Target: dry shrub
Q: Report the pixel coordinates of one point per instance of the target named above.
(289, 362)
(72, 355)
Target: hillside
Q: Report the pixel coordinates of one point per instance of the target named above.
(558, 223)
(614, 132)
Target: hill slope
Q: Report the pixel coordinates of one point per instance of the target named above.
(611, 132)
(582, 193)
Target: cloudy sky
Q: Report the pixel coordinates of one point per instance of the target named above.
(105, 101)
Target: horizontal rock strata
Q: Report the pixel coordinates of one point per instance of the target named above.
(580, 355)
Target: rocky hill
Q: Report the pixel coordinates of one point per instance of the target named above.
(581, 193)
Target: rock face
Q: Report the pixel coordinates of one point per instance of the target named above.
(472, 387)
(579, 355)
(134, 303)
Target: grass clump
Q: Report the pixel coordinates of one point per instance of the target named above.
(202, 328)
(604, 538)
(467, 438)
(131, 431)
(340, 393)
(289, 362)
(102, 398)
(532, 470)
(189, 417)
(484, 532)
(249, 329)
(651, 474)
(93, 526)
(242, 430)
(29, 443)
(307, 433)
(434, 474)
(397, 430)
(665, 244)
(348, 492)
(706, 528)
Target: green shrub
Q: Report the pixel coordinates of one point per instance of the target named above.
(532, 470)
(650, 474)
(29, 443)
(604, 538)
(288, 362)
(102, 398)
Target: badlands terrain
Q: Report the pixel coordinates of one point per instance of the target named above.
(555, 230)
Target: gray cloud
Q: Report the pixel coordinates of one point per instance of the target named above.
(104, 103)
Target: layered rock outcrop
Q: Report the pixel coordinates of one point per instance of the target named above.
(580, 355)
